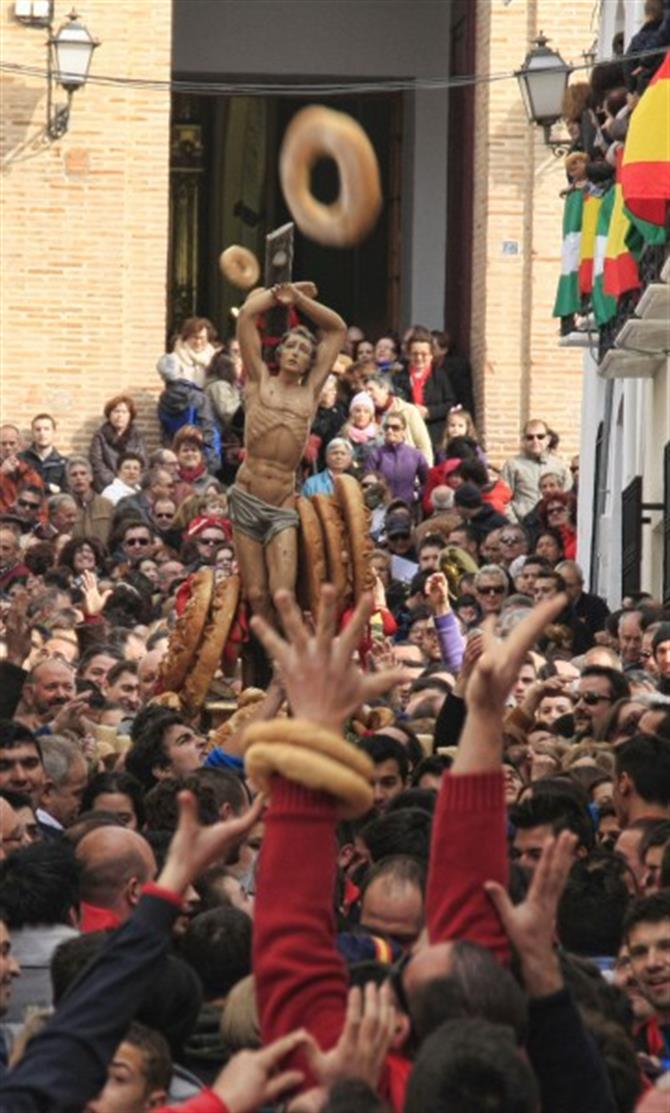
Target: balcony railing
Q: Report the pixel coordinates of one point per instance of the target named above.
(651, 266)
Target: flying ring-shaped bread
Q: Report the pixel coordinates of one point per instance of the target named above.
(240, 266)
(314, 133)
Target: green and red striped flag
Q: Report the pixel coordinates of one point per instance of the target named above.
(567, 295)
(645, 170)
(587, 246)
(604, 307)
(621, 271)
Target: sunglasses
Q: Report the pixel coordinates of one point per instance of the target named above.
(137, 541)
(592, 698)
(210, 541)
(536, 436)
(166, 515)
(27, 505)
(393, 428)
(499, 590)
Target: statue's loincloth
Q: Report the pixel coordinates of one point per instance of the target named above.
(258, 519)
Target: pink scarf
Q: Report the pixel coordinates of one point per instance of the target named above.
(362, 436)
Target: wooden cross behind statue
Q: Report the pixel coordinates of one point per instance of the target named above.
(278, 268)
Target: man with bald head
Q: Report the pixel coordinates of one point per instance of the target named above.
(48, 688)
(629, 633)
(147, 672)
(115, 864)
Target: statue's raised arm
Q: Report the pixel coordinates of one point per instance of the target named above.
(279, 410)
(330, 324)
(259, 301)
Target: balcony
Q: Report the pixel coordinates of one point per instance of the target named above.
(636, 342)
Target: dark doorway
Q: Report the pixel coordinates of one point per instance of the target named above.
(225, 189)
(458, 283)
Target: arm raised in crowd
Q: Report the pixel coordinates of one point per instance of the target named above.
(571, 1073)
(469, 845)
(301, 979)
(65, 1065)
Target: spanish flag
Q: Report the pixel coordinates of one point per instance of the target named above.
(620, 271)
(587, 245)
(645, 171)
(567, 294)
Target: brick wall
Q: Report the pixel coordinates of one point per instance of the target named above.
(84, 224)
(521, 372)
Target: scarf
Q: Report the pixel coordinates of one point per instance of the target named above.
(189, 475)
(418, 379)
(193, 365)
(116, 440)
(362, 436)
(381, 410)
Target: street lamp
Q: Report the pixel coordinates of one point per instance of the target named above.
(69, 54)
(543, 78)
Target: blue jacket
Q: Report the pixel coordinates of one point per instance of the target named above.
(319, 484)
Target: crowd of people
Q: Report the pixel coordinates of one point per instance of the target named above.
(493, 934)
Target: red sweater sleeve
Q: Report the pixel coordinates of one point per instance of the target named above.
(468, 847)
(300, 978)
(204, 1102)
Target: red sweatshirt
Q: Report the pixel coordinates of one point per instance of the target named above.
(468, 847)
(301, 979)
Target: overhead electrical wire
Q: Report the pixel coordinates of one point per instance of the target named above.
(316, 88)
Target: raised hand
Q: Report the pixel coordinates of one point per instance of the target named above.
(498, 667)
(530, 925)
(319, 676)
(367, 1035)
(474, 647)
(284, 294)
(70, 715)
(194, 847)
(249, 1080)
(489, 685)
(437, 590)
(93, 599)
(307, 289)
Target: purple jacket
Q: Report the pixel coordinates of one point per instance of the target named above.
(400, 465)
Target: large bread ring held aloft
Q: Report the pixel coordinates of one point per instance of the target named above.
(240, 266)
(316, 132)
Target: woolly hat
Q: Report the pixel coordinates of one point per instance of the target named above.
(468, 496)
(168, 368)
(362, 399)
(661, 635)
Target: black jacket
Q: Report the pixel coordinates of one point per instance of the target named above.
(592, 610)
(459, 374)
(438, 398)
(51, 468)
(65, 1066)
